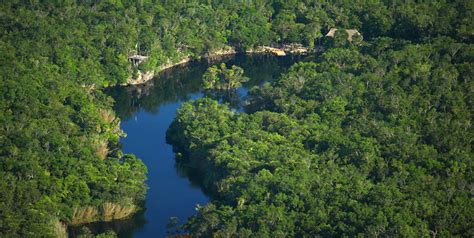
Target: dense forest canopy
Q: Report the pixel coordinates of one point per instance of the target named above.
(91, 40)
(353, 144)
(367, 139)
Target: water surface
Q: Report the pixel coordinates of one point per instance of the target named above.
(146, 112)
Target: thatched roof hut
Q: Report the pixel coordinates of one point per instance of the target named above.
(350, 33)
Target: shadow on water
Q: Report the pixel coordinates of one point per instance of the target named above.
(146, 112)
(176, 84)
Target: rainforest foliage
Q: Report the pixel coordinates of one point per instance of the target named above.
(372, 140)
(91, 40)
(357, 143)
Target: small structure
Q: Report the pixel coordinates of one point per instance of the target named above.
(350, 33)
(137, 59)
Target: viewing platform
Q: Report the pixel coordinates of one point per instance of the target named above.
(137, 59)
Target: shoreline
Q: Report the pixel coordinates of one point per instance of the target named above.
(146, 76)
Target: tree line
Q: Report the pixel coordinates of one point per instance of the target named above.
(370, 141)
(60, 158)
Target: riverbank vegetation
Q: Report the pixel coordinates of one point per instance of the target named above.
(330, 146)
(356, 143)
(374, 139)
(91, 41)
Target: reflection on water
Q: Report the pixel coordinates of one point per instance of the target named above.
(146, 112)
(178, 83)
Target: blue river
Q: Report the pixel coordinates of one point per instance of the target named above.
(146, 111)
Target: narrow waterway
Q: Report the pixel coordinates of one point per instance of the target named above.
(146, 112)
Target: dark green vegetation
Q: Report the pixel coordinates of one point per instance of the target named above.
(378, 141)
(59, 157)
(91, 40)
(375, 140)
(357, 143)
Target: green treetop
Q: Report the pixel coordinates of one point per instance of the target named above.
(223, 78)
